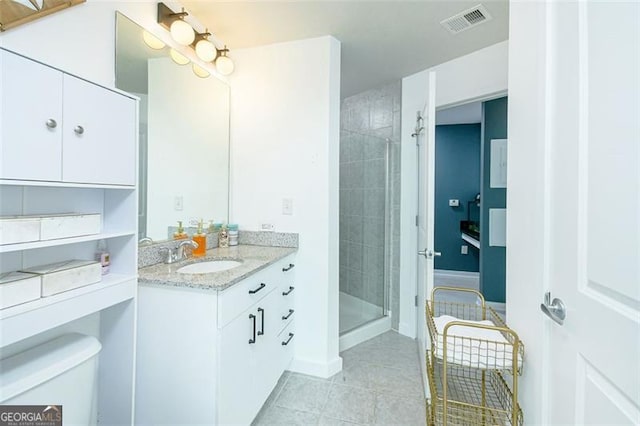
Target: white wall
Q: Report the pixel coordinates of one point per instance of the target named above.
(478, 75)
(285, 110)
(187, 158)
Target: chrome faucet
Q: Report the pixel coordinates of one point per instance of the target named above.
(145, 240)
(178, 253)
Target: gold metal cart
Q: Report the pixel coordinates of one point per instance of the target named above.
(472, 357)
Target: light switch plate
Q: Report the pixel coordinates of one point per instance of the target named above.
(464, 249)
(178, 204)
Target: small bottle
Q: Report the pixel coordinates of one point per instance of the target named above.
(180, 234)
(233, 234)
(200, 238)
(223, 237)
(102, 256)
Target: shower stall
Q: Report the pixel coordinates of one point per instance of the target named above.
(364, 229)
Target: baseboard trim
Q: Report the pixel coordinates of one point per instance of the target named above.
(317, 369)
(451, 273)
(365, 332)
(406, 330)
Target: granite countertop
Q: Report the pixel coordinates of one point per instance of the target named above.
(253, 258)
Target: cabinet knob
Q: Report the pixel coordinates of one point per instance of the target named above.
(51, 123)
(78, 130)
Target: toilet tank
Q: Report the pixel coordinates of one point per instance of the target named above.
(61, 371)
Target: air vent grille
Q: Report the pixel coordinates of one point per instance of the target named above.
(466, 19)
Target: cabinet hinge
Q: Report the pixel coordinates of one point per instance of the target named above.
(415, 301)
(417, 220)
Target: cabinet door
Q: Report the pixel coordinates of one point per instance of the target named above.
(268, 367)
(30, 120)
(236, 393)
(99, 142)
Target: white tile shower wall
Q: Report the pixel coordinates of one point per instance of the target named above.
(367, 120)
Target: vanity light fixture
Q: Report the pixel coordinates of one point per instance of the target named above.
(178, 57)
(224, 64)
(205, 49)
(180, 29)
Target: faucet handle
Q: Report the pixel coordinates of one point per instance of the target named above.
(170, 254)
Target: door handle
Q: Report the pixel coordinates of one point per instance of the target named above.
(556, 310)
(429, 254)
(286, 342)
(288, 292)
(253, 317)
(261, 332)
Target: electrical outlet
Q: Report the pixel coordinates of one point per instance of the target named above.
(178, 203)
(267, 227)
(287, 206)
(464, 249)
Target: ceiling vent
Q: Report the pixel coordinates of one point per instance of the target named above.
(466, 19)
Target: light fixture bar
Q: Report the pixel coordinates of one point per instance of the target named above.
(166, 16)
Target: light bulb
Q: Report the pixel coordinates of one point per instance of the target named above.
(152, 41)
(199, 71)
(182, 32)
(178, 57)
(224, 65)
(206, 50)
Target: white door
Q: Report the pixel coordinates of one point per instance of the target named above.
(588, 116)
(31, 123)
(426, 195)
(99, 143)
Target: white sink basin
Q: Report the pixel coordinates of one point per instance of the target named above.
(208, 267)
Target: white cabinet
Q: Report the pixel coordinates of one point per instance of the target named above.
(32, 182)
(242, 327)
(30, 119)
(57, 127)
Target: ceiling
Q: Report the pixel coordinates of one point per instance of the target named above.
(382, 41)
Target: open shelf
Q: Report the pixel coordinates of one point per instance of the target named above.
(14, 182)
(63, 241)
(25, 320)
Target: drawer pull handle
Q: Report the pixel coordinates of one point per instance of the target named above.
(286, 293)
(261, 332)
(253, 317)
(262, 285)
(286, 317)
(286, 342)
(51, 123)
(288, 268)
(78, 130)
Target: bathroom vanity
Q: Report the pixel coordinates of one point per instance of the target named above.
(212, 346)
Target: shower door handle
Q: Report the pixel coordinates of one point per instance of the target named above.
(429, 254)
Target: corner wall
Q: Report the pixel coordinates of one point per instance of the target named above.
(285, 113)
(493, 260)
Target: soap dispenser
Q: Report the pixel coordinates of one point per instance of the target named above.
(200, 238)
(180, 234)
(223, 237)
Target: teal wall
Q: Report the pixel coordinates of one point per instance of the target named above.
(492, 259)
(457, 177)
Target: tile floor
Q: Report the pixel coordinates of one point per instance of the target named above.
(380, 384)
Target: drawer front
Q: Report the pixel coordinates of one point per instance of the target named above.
(286, 343)
(237, 299)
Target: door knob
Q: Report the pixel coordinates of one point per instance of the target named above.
(51, 123)
(555, 309)
(78, 130)
(429, 254)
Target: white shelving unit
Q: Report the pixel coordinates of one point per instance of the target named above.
(78, 179)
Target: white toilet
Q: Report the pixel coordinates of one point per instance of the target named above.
(61, 371)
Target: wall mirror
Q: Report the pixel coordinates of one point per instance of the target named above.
(184, 134)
